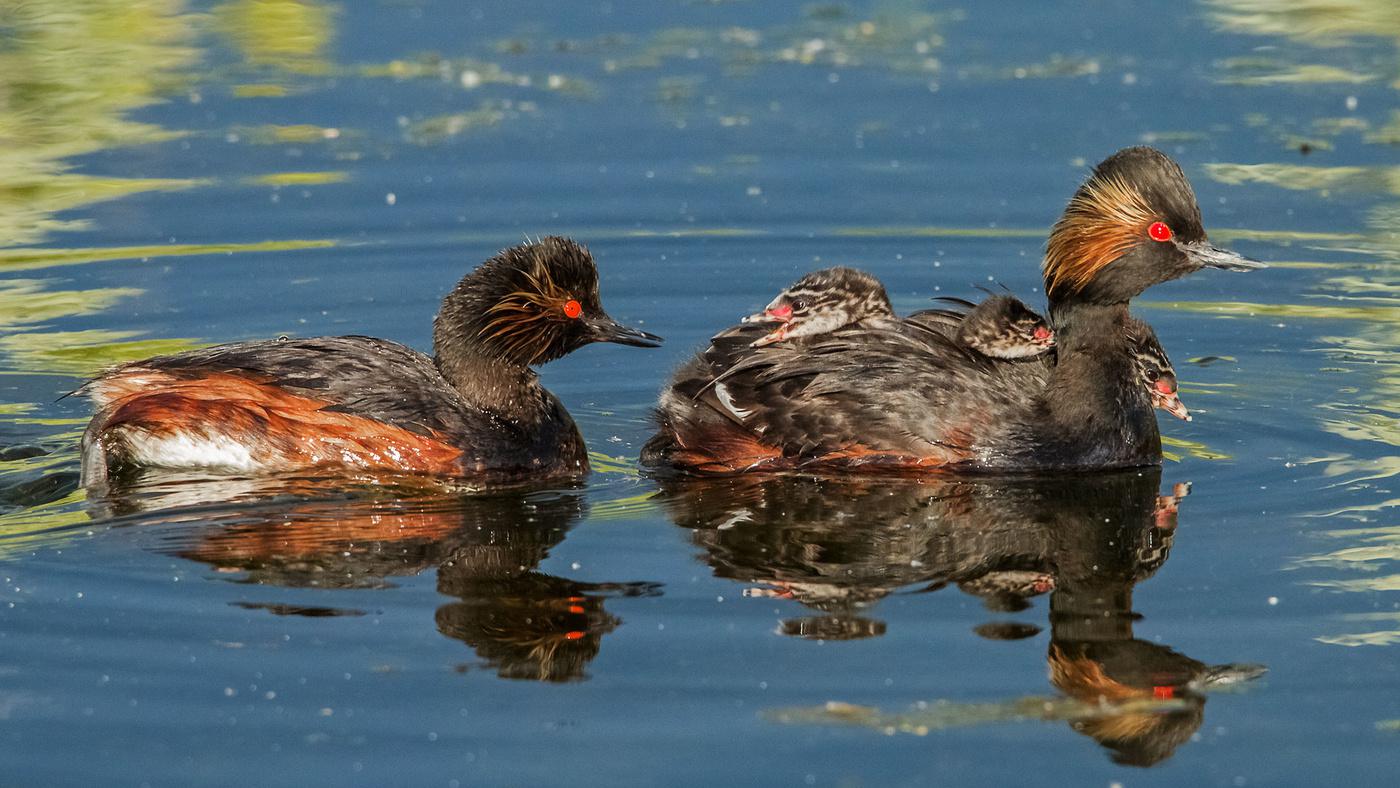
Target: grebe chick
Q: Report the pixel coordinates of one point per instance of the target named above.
(821, 302)
(1003, 327)
(1156, 369)
(474, 409)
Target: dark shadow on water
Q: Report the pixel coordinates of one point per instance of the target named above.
(840, 546)
(520, 622)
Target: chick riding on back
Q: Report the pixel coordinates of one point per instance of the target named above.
(821, 302)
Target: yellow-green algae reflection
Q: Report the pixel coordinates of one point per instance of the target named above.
(1366, 304)
(71, 75)
(281, 35)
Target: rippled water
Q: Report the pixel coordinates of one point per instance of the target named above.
(175, 174)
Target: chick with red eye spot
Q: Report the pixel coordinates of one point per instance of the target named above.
(823, 302)
(1000, 327)
(1155, 369)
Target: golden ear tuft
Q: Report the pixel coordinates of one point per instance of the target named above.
(1105, 218)
(522, 319)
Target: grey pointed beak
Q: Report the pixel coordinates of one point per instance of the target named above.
(1202, 253)
(605, 329)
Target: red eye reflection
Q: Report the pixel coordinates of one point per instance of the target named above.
(1159, 231)
(573, 308)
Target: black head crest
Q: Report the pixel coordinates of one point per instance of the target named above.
(1136, 206)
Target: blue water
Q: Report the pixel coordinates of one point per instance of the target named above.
(340, 167)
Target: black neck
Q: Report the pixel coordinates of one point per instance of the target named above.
(486, 379)
(1095, 410)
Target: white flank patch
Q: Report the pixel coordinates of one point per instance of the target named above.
(184, 450)
(728, 402)
(742, 516)
(1020, 350)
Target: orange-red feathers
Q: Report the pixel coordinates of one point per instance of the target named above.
(278, 428)
(1102, 221)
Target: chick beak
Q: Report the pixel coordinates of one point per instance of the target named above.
(1204, 255)
(773, 314)
(1172, 404)
(1043, 336)
(777, 335)
(604, 329)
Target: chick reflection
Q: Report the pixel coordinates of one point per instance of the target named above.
(521, 623)
(839, 546)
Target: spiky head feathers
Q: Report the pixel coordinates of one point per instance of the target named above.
(1123, 229)
(528, 304)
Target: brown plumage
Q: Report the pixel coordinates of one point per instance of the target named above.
(474, 409)
(288, 431)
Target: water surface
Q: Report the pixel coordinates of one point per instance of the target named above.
(182, 173)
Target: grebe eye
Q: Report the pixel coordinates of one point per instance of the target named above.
(572, 308)
(799, 305)
(1153, 374)
(1159, 231)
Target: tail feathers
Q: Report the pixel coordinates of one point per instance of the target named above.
(694, 438)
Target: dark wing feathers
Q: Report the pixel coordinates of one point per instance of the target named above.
(906, 389)
(361, 376)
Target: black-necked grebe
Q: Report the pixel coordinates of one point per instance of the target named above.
(870, 398)
(475, 409)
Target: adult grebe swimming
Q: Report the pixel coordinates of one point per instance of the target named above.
(876, 397)
(473, 409)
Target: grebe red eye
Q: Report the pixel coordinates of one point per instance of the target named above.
(573, 308)
(1159, 231)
